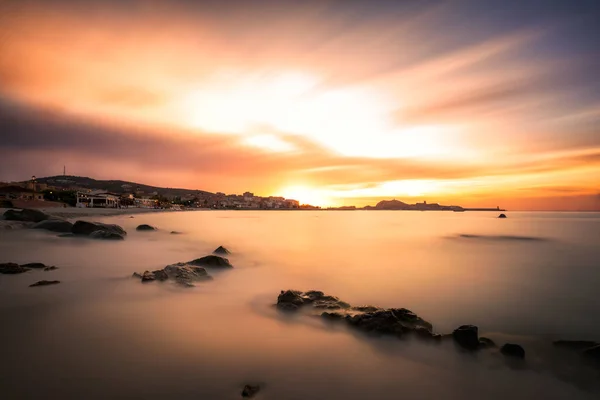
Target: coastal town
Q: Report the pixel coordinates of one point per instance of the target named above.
(83, 192)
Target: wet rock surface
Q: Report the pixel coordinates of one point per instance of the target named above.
(222, 251)
(106, 235)
(211, 261)
(25, 215)
(392, 321)
(145, 227)
(250, 391)
(44, 283)
(36, 265)
(513, 350)
(183, 274)
(54, 225)
(108, 231)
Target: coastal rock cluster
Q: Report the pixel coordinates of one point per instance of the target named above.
(385, 321)
(186, 273)
(585, 347)
(14, 268)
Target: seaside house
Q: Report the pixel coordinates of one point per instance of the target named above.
(98, 199)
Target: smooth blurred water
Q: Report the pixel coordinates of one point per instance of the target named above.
(529, 279)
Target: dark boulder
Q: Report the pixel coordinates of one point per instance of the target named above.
(250, 391)
(25, 215)
(212, 261)
(513, 350)
(54, 225)
(145, 227)
(502, 216)
(221, 251)
(593, 352)
(44, 283)
(467, 336)
(106, 235)
(86, 228)
(289, 300)
(12, 268)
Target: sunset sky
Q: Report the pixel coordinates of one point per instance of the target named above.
(476, 103)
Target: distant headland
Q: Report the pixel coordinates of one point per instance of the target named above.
(82, 191)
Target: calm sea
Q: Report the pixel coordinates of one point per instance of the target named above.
(529, 279)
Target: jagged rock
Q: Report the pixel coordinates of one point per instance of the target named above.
(467, 336)
(106, 235)
(51, 268)
(212, 261)
(136, 275)
(87, 228)
(593, 352)
(148, 276)
(26, 215)
(54, 225)
(44, 283)
(486, 343)
(221, 251)
(332, 315)
(12, 268)
(34, 265)
(250, 390)
(513, 350)
(186, 274)
(393, 321)
(502, 216)
(145, 227)
(575, 344)
(160, 275)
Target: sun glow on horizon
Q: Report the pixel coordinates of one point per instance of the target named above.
(307, 195)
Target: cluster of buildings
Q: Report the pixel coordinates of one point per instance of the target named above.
(128, 195)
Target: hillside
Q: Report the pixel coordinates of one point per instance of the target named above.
(115, 186)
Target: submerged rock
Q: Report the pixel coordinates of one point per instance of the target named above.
(12, 268)
(513, 350)
(54, 225)
(106, 235)
(394, 321)
(221, 251)
(212, 261)
(44, 283)
(467, 336)
(176, 233)
(148, 276)
(35, 265)
(502, 216)
(291, 300)
(51, 268)
(87, 228)
(26, 215)
(145, 227)
(250, 391)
